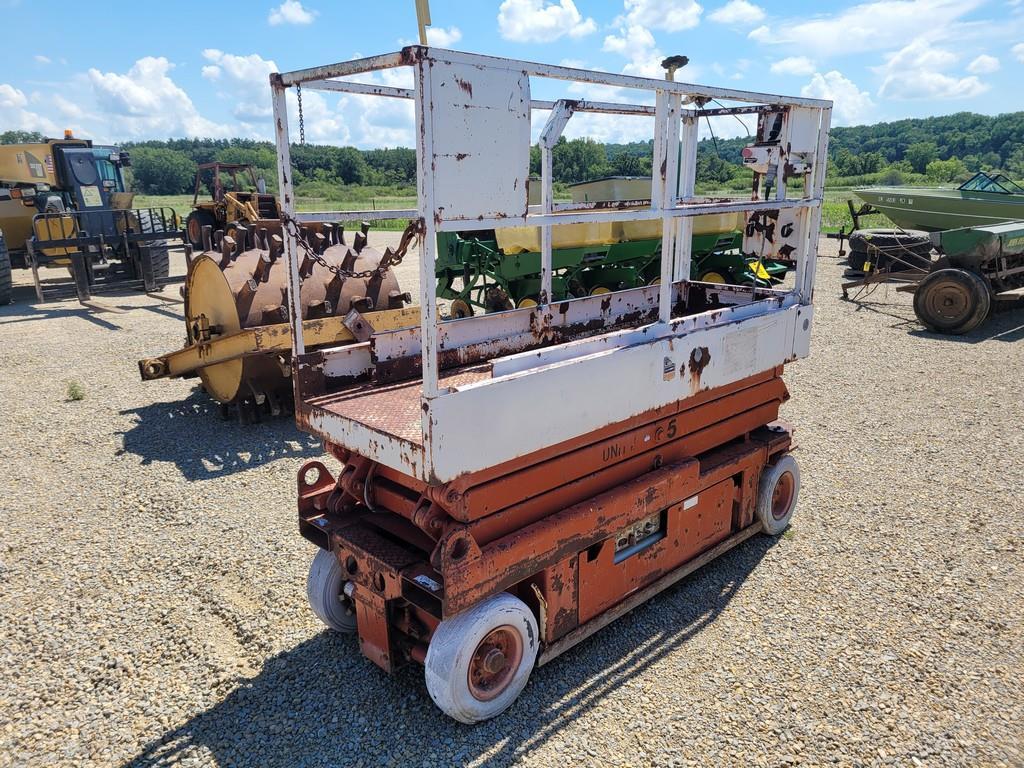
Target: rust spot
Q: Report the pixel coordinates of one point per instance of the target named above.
(699, 359)
(461, 156)
(465, 85)
(411, 54)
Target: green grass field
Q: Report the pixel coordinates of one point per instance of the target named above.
(182, 204)
(834, 215)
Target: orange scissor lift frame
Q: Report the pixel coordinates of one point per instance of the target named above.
(510, 483)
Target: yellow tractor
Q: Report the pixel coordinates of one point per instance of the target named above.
(237, 198)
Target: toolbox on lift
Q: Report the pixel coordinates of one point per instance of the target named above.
(511, 482)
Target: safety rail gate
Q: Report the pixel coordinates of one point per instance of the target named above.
(491, 388)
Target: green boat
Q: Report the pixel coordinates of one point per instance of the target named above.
(982, 200)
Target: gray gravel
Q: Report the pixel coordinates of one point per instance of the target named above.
(152, 609)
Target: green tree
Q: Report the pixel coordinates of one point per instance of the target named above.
(21, 137)
(578, 160)
(1015, 164)
(920, 154)
(626, 164)
(711, 169)
(158, 171)
(350, 166)
(943, 171)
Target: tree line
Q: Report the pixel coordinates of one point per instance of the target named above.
(933, 150)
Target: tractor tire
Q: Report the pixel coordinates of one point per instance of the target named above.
(194, 224)
(158, 250)
(952, 301)
(5, 272)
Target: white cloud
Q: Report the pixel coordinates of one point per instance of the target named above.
(67, 108)
(637, 44)
(365, 121)
(539, 21)
(14, 116)
(42, 59)
(738, 13)
(917, 71)
(146, 102)
(851, 106)
(762, 34)
(245, 81)
(1018, 51)
(290, 12)
(983, 65)
(794, 65)
(629, 42)
(443, 37)
(874, 26)
(669, 15)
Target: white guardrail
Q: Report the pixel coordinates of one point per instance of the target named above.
(473, 132)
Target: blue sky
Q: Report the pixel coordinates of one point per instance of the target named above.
(138, 70)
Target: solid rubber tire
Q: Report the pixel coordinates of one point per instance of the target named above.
(323, 590)
(975, 284)
(446, 668)
(770, 475)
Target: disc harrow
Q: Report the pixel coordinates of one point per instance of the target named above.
(237, 308)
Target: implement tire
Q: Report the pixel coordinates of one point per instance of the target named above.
(5, 272)
(952, 301)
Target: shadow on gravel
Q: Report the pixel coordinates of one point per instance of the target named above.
(321, 703)
(192, 435)
(21, 311)
(172, 310)
(1007, 325)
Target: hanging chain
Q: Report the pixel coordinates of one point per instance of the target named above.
(413, 234)
(302, 122)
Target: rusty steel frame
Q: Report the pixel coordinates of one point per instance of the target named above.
(582, 455)
(672, 202)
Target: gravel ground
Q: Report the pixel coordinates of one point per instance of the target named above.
(153, 608)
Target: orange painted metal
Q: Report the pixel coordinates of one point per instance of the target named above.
(554, 528)
(604, 478)
(559, 586)
(687, 531)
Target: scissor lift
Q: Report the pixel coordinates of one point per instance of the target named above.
(511, 482)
